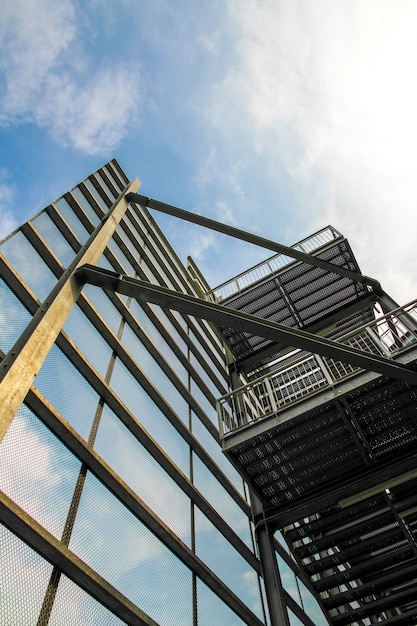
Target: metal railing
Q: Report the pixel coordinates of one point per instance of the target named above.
(305, 375)
(271, 265)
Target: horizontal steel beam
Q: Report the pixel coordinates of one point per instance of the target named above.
(250, 238)
(224, 316)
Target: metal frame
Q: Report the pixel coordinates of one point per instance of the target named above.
(250, 238)
(222, 315)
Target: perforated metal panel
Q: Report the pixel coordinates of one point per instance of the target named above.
(299, 295)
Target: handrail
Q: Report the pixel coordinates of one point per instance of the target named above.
(280, 260)
(308, 373)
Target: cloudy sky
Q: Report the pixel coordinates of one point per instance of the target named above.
(277, 117)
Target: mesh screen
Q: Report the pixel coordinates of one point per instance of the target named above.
(29, 265)
(24, 576)
(88, 340)
(62, 384)
(13, 318)
(232, 568)
(132, 559)
(150, 416)
(141, 472)
(212, 611)
(53, 238)
(74, 606)
(299, 296)
(38, 472)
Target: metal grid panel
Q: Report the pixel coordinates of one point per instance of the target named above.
(298, 296)
(74, 606)
(38, 472)
(24, 577)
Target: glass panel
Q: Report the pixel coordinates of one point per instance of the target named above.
(213, 491)
(210, 355)
(13, 318)
(54, 238)
(288, 579)
(24, 576)
(38, 472)
(150, 329)
(72, 220)
(231, 567)
(83, 202)
(206, 406)
(143, 474)
(132, 559)
(88, 340)
(29, 265)
(74, 606)
(132, 228)
(148, 414)
(294, 621)
(62, 384)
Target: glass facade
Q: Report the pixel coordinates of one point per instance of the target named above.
(117, 503)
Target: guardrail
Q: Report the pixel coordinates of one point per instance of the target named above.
(271, 265)
(306, 375)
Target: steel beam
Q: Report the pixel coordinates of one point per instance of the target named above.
(254, 239)
(224, 316)
(22, 363)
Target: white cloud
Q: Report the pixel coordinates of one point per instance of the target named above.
(50, 80)
(326, 91)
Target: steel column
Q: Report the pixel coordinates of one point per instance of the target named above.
(20, 366)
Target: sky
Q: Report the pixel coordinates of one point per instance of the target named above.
(276, 117)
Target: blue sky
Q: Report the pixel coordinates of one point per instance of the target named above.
(277, 117)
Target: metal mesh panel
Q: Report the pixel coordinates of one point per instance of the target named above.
(74, 606)
(72, 220)
(212, 611)
(102, 303)
(13, 318)
(24, 577)
(211, 489)
(62, 384)
(88, 340)
(38, 472)
(29, 265)
(132, 559)
(141, 472)
(86, 206)
(299, 295)
(150, 416)
(232, 568)
(53, 238)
